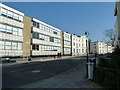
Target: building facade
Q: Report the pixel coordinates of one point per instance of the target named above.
(66, 43)
(43, 39)
(11, 31)
(79, 45)
(23, 36)
(117, 24)
(101, 47)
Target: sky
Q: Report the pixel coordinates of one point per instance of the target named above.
(72, 17)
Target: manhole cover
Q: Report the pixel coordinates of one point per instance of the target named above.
(36, 71)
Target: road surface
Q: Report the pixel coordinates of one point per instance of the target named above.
(23, 74)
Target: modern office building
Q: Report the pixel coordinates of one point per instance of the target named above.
(101, 47)
(11, 31)
(42, 39)
(79, 45)
(66, 43)
(117, 24)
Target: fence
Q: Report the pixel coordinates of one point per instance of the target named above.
(106, 77)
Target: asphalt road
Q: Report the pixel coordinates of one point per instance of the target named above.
(21, 74)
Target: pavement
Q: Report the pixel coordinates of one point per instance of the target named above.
(22, 61)
(59, 73)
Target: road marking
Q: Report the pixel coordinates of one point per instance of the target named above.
(21, 69)
(36, 71)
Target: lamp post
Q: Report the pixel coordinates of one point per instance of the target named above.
(86, 34)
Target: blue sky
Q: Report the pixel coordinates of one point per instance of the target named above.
(75, 18)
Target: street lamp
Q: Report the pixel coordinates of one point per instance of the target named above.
(86, 34)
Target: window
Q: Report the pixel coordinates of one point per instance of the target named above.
(35, 47)
(74, 50)
(37, 25)
(2, 28)
(10, 14)
(74, 44)
(20, 32)
(40, 47)
(55, 32)
(2, 44)
(16, 16)
(9, 29)
(51, 39)
(8, 45)
(15, 31)
(19, 46)
(20, 18)
(14, 45)
(34, 23)
(4, 11)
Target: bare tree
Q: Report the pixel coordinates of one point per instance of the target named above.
(109, 35)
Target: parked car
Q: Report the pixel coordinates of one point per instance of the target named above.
(108, 55)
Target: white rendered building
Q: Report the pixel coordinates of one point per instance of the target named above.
(79, 45)
(101, 47)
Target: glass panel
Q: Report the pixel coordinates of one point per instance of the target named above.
(20, 18)
(9, 29)
(20, 32)
(19, 46)
(2, 28)
(10, 14)
(14, 45)
(4, 11)
(15, 31)
(8, 43)
(16, 16)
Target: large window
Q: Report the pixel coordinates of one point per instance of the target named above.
(11, 15)
(35, 24)
(4, 11)
(45, 28)
(45, 48)
(67, 42)
(45, 37)
(10, 30)
(67, 36)
(10, 45)
(67, 49)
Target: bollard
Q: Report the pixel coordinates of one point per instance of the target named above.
(90, 70)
